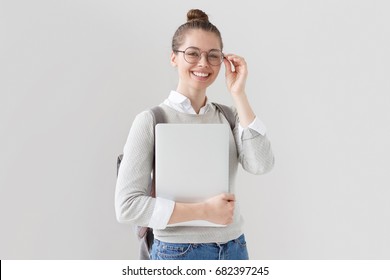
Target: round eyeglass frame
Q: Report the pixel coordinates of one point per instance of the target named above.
(200, 56)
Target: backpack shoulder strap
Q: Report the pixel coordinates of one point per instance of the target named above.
(158, 115)
(228, 114)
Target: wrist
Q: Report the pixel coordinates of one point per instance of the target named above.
(238, 94)
(202, 208)
(240, 98)
(244, 110)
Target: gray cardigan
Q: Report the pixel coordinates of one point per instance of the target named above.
(134, 205)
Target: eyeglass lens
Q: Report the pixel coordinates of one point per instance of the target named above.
(193, 55)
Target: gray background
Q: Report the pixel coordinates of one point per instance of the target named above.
(73, 75)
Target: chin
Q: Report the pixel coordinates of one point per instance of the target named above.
(200, 86)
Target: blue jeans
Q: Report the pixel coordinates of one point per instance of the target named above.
(232, 250)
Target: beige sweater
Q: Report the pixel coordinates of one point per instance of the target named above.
(134, 205)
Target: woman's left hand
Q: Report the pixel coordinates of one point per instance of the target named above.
(235, 80)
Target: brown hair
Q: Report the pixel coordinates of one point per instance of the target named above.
(196, 19)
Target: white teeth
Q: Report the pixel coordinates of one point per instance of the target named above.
(201, 74)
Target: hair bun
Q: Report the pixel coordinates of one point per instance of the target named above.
(196, 14)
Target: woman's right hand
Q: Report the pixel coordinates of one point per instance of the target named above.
(219, 209)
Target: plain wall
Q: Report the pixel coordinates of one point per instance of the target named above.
(74, 74)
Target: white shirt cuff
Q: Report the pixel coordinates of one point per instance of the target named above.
(162, 213)
(256, 125)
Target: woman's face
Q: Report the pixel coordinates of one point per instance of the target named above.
(202, 74)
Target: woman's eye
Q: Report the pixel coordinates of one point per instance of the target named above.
(193, 54)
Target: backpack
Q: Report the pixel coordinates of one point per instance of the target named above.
(145, 234)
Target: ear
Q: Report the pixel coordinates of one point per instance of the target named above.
(173, 59)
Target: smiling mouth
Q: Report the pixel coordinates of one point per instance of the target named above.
(201, 75)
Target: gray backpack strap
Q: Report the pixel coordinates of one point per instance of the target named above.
(118, 163)
(158, 115)
(228, 114)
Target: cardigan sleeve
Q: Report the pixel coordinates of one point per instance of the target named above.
(254, 149)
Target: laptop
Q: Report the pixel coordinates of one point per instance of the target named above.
(192, 163)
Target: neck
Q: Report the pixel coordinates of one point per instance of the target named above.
(197, 97)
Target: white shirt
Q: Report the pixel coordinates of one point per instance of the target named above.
(163, 208)
(181, 103)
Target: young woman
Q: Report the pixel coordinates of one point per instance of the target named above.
(197, 55)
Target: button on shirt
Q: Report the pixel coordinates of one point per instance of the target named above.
(163, 208)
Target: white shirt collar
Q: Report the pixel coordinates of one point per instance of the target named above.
(182, 103)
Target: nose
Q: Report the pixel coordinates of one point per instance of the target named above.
(203, 61)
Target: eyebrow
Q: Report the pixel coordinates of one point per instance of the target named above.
(201, 49)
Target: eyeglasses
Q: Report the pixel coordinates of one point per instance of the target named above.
(193, 55)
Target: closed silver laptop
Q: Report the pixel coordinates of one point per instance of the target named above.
(192, 163)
